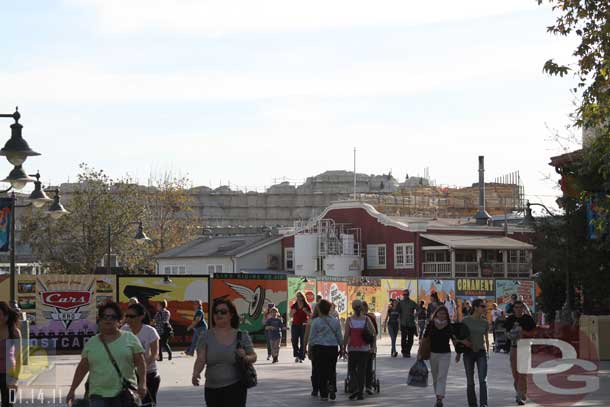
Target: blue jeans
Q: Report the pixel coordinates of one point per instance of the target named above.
(297, 333)
(193, 345)
(480, 359)
(393, 331)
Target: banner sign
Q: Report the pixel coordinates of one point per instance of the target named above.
(475, 287)
(6, 205)
(525, 290)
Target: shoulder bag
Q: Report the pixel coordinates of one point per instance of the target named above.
(425, 344)
(367, 335)
(128, 396)
(339, 339)
(249, 377)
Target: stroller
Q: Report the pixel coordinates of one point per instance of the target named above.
(376, 384)
(501, 341)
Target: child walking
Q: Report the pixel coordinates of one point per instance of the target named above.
(273, 327)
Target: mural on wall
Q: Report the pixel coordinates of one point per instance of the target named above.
(368, 290)
(336, 293)
(252, 294)
(393, 287)
(308, 288)
(62, 309)
(180, 292)
(444, 288)
(469, 289)
(5, 287)
(523, 288)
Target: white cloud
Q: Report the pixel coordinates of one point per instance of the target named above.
(213, 17)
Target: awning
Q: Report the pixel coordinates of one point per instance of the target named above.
(485, 242)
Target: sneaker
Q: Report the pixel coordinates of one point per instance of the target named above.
(268, 357)
(297, 360)
(369, 391)
(520, 402)
(274, 360)
(439, 403)
(332, 395)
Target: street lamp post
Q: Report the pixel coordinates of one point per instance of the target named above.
(140, 237)
(17, 151)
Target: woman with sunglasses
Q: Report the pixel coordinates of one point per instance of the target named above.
(105, 384)
(219, 350)
(478, 344)
(138, 324)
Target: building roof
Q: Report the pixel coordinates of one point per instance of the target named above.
(222, 246)
(478, 242)
(567, 158)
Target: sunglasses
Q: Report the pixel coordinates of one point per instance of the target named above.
(110, 317)
(130, 316)
(221, 312)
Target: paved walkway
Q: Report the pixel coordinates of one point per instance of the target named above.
(287, 383)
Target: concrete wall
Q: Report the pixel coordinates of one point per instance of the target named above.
(259, 260)
(196, 265)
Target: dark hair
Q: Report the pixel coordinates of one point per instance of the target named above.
(478, 302)
(140, 310)
(518, 302)
(422, 302)
(434, 295)
(436, 311)
(163, 304)
(365, 305)
(232, 311)
(113, 306)
(324, 307)
(11, 321)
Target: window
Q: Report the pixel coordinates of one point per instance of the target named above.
(404, 256)
(174, 270)
(437, 256)
(214, 268)
(465, 256)
(375, 255)
(289, 258)
(518, 256)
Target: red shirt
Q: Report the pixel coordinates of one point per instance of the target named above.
(300, 317)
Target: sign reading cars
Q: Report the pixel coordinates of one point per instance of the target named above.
(66, 299)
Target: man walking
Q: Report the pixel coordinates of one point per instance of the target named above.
(197, 326)
(451, 308)
(407, 309)
(517, 323)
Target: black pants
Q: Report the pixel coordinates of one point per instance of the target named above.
(297, 333)
(326, 364)
(357, 362)
(153, 380)
(406, 339)
(4, 391)
(369, 371)
(233, 395)
(164, 345)
(315, 372)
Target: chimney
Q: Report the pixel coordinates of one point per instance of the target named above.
(482, 216)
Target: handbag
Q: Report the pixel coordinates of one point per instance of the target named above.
(367, 335)
(249, 377)
(425, 346)
(128, 396)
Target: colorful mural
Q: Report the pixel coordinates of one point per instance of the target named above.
(5, 288)
(308, 288)
(368, 290)
(180, 292)
(523, 288)
(62, 309)
(336, 293)
(444, 288)
(469, 289)
(393, 287)
(251, 294)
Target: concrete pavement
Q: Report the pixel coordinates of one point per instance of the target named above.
(287, 383)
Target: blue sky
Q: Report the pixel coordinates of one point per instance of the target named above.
(248, 91)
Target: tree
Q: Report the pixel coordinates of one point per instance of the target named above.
(76, 243)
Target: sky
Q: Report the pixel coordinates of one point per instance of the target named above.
(251, 92)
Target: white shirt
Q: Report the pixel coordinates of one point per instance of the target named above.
(451, 307)
(495, 314)
(147, 336)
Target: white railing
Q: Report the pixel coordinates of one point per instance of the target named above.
(437, 269)
(470, 269)
(519, 270)
(497, 269)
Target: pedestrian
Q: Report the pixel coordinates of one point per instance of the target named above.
(325, 341)
(369, 365)
(198, 326)
(466, 309)
(517, 323)
(439, 331)
(315, 304)
(10, 354)
(407, 308)
(105, 382)
(496, 314)
(333, 311)
(273, 329)
(434, 303)
(451, 306)
(358, 349)
(478, 344)
(315, 380)
(164, 328)
(219, 350)
(392, 324)
(266, 316)
(137, 323)
(509, 307)
(300, 313)
(422, 318)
